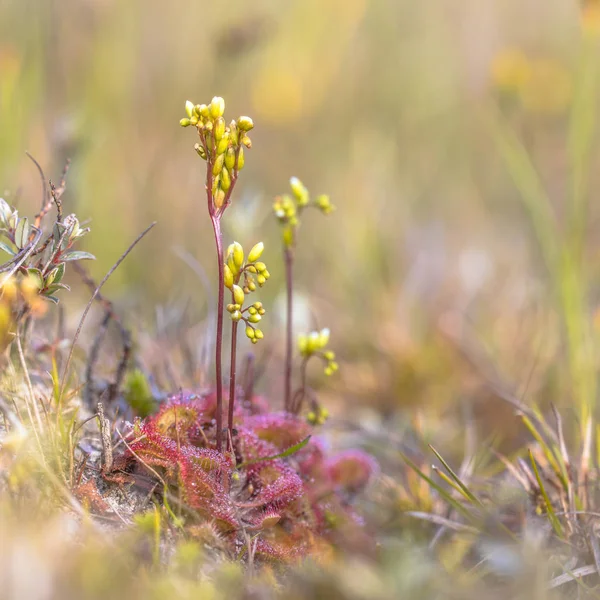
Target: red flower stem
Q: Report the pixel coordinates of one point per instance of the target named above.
(216, 222)
(234, 327)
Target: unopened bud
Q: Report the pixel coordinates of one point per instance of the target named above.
(185, 122)
(225, 178)
(245, 123)
(219, 128)
(238, 254)
(217, 107)
(256, 252)
(227, 277)
(254, 318)
(247, 141)
(238, 294)
(230, 158)
(236, 316)
(218, 166)
(219, 198)
(200, 150)
(189, 108)
(223, 144)
(240, 160)
(258, 334)
(249, 332)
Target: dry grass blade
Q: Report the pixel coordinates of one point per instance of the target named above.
(572, 576)
(439, 520)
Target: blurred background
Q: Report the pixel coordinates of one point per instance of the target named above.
(388, 106)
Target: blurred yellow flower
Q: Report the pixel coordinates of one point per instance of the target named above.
(590, 19)
(510, 71)
(541, 85)
(548, 88)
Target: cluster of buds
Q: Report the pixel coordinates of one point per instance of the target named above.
(221, 145)
(318, 416)
(254, 272)
(314, 344)
(288, 208)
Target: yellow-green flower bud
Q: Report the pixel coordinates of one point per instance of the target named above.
(333, 366)
(194, 120)
(256, 252)
(240, 160)
(204, 111)
(217, 107)
(230, 158)
(238, 254)
(185, 122)
(251, 269)
(238, 294)
(257, 305)
(230, 263)
(311, 417)
(200, 150)
(247, 141)
(227, 277)
(225, 178)
(219, 198)
(288, 237)
(216, 184)
(218, 166)
(298, 188)
(245, 123)
(254, 318)
(236, 316)
(261, 280)
(323, 337)
(328, 371)
(234, 133)
(198, 110)
(313, 341)
(329, 355)
(252, 310)
(324, 204)
(230, 307)
(254, 340)
(261, 311)
(251, 286)
(223, 144)
(258, 334)
(260, 266)
(219, 128)
(249, 332)
(266, 274)
(189, 108)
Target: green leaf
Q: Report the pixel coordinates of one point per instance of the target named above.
(37, 275)
(22, 232)
(7, 249)
(549, 508)
(77, 255)
(462, 487)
